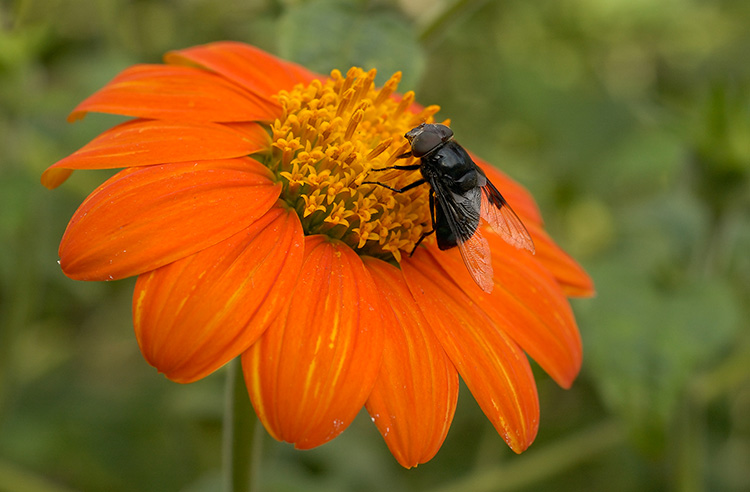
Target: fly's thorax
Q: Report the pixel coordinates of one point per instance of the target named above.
(332, 137)
(453, 165)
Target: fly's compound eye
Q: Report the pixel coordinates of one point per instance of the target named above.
(424, 143)
(444, 132)
(426, 138)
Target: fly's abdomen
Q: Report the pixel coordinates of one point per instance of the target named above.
(446, 238)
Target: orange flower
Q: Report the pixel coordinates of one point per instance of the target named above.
(242, 211)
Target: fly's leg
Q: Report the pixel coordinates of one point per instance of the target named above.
(405, 189)
(432, 216)
(410, 167)
(398, 190)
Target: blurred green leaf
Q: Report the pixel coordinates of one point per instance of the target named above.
(644, 349)
(607, 111)
(721, 163)
(659, 321)
(338, 34)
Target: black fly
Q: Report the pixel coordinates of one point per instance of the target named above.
(460, 196)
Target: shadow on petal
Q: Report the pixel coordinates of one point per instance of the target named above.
(148, 142)
(312, 370)
(528, 304)
(176, 93)
(573, 279)
(195, 314)
(414, 398)
(248, 66)
(144, 218)
(494, 368)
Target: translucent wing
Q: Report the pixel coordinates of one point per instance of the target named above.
(498, 214)
(475, 252)
(462, 213)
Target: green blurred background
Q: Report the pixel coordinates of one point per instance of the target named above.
(629, 120)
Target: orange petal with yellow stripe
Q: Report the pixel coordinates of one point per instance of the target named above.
(194, 315)
(518, 197)
(143, 218)
(254, 69)
(528, 304)
(494, 368)
(176, 93)
(573, 279)
(147, 142)
(314, 367)
(414, 398)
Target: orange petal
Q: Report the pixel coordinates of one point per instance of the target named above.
(146, 142)
(143, 218)
(493, 367)
(574, 281)
(176, 93)
(194, 315)
(414, 397)
(314, 367)
(248, 66)
(519, 198)
(528, 304)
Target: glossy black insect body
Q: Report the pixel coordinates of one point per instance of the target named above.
(460, 197)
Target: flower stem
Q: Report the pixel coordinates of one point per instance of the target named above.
(241, 443)
(537, 465)
(15, 477)
(433, 26)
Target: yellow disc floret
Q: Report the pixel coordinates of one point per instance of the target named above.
(333, 136)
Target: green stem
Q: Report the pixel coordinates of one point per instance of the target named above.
(690, 447)
(539, 464)
(241, 439)
(435, 25)
(726, 377)
(13, 478)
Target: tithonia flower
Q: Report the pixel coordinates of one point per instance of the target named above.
(243, 211)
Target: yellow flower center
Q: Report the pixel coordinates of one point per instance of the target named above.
(333, 136)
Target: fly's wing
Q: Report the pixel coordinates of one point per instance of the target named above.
(502, 218)
(462, 212)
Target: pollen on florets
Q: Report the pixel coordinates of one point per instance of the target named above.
(332, 136)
